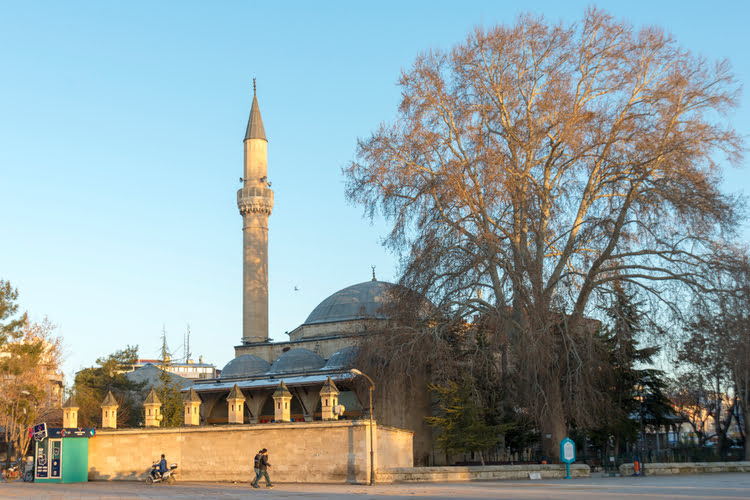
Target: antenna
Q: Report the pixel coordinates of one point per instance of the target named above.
(373, 273)
(166, 357)
(187, 344)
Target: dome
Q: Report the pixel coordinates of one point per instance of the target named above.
(364, 300)
(297, 360)
(245, 366)
(149, 375)
(341, 359)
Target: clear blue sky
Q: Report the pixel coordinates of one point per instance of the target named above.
(121, 127)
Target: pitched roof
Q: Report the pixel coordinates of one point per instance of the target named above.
(282, 391)
(329, 387)
(236, 393)
(110, 400)
(152, 399)
(255, 128)
(192, 397)
(70, 403)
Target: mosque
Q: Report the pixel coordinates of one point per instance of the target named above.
(319, 353)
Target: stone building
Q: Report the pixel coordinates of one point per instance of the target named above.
(319, 352)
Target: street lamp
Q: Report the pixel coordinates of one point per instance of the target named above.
(354, 371)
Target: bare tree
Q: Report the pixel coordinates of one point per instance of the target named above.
(717, 345)
(29, 375)
(534, 164)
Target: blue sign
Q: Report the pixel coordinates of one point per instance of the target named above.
(40, 431)
(567, 451)
(567, 454)
(80, 432)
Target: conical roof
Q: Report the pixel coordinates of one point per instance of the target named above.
(329, 387)
(255, 128)
(236, 393)
(110, 400)
(192, 397)
(152, 399)
(70, 403)
(282, 391)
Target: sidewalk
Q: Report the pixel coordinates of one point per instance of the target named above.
(715, 486)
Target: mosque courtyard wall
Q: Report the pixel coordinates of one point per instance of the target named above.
(302, 452)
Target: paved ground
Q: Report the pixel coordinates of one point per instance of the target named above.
(719, 486)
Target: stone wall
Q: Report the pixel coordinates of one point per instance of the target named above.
(299, 452)
(668, 469)
(478, 473)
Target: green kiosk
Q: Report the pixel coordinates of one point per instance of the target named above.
(61, 455)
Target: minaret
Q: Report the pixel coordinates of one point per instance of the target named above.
(255, 201)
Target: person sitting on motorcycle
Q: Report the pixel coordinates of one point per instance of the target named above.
(162, 467)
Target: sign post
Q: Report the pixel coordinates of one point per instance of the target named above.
(567, 454)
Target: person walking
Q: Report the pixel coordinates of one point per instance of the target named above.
(261, 469)
(256, 468)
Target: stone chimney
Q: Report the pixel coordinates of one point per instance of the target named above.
(109, 412)
(281, 403)
(235, 403)
(192, 404)
(70, 413)
(329, 399)
(152, 407)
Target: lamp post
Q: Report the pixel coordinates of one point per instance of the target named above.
(354, 371)
(640, 441)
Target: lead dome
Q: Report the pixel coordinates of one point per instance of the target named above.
(360, 301)
(297, 360)
(244, 366)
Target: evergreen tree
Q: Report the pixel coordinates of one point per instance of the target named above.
(462, 422)
(635, 391)
(9, 328)
(168, 389)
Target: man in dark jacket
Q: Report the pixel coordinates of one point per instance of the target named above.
(261, 469)
(156, 473)
(256, 468)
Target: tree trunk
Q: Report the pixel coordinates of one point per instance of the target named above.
(553, 430)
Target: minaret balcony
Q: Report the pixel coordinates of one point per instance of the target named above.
(255, 200)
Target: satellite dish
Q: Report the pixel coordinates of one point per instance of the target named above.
(338, 410)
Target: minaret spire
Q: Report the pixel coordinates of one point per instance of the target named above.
(255, 202)
(255, 128)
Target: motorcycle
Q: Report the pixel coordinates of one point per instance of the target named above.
(168, 477)
(12, 473)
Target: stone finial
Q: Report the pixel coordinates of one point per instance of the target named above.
(235, 403)
(109, 412)
(152, 407)
(192, 404)
(329, 399)
(70, 413)
(282, 398)
(255, 129)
